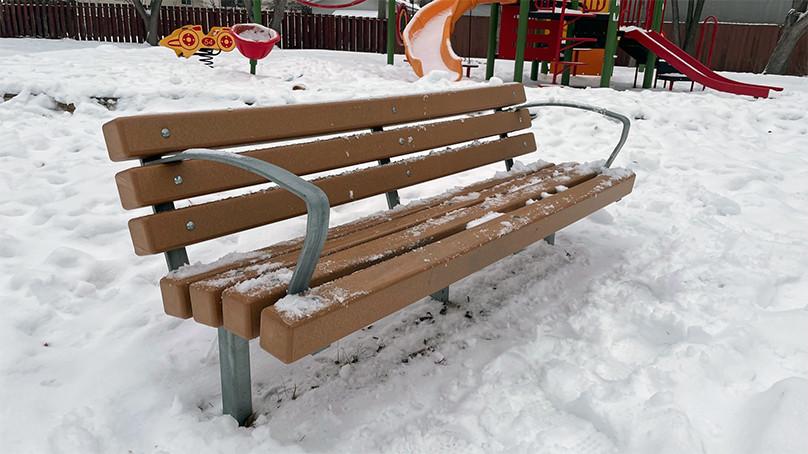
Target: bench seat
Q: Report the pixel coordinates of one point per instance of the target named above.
(299, 296)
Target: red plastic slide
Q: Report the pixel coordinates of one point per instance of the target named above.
(691, 67)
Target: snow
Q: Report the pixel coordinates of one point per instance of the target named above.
(672, 321)
(257, 34)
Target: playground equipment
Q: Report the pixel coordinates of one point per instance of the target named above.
(427, 42)
(565, 35)
(691, 67)
(189, 40)
(254, 41)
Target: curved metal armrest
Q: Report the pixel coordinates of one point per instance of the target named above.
(316, 204)
(608, 113)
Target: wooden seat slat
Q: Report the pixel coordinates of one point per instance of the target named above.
(175, 286)
(143, 136)
(242, 309)
(156, 184)
(206, 295)
(167, 230)
(354, 301)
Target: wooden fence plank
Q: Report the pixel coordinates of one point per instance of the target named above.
(64, 19)
(40, 14)
(141, 27)
(72, 23)
(123, 20)
(114, 25)
(26, 14)
(36, 23)
(3, 19)
(130, 29)
(55, 20)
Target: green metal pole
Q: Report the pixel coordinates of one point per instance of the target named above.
(257, 20)
(534, 70)
(545, 67)
(492, 41)
(521, 39)
(656, 25)
(565, 76)
(611, 45)
(391, 31)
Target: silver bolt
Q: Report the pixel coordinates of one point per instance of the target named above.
(401, 141)
(520, 119)
(190, 225)
(165, 133)
(394, 110)
(524, 143)
(514, 93)
(178, 180)
(409, 174)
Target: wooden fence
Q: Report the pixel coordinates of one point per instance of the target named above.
(117, 22)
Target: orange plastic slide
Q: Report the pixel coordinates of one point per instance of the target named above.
(427, 38)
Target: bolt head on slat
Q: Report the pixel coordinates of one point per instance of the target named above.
(178, 180)
(165, 133)
(190, 225)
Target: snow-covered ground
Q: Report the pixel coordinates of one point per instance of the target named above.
(673, 321)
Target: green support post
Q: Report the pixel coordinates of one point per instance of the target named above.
(492, 41)
(545, 67)
(257, 20)
(611, 45)
(234, 367)
(391, 31)
(521, 39)
(534, 70)
(565, 75)
(650, 64)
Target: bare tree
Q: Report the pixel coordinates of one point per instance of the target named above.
(796, 24)
(694, 9)
(151, 19)
(278, 7)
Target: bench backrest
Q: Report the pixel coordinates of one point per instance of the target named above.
(373, 130)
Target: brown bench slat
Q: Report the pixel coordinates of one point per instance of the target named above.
(155, 184)
(166, 231)
(175, 287)
(206, 295)
(242, 310)
(357, 300)
(142, 136)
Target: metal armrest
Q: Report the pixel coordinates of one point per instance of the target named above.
(316, 204)
(608, 113)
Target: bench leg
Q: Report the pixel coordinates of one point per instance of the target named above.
(550, 239)
(234, 363)
(441, 295)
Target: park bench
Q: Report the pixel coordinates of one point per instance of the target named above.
(301, 295)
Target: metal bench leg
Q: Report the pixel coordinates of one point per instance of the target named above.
(550, 239)
(441, 295)
(234, 363)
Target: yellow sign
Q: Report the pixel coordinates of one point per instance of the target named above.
(188, 39)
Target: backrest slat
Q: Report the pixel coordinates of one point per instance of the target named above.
(160, 183)
(149, 135)
(166, 231)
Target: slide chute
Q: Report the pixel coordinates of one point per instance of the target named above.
(427, 38)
